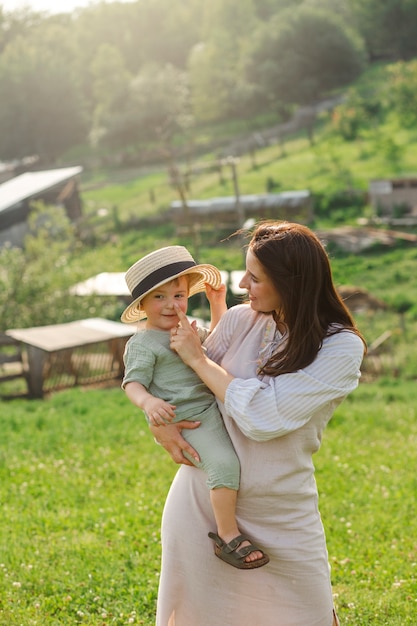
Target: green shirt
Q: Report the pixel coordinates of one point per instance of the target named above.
(150, 361)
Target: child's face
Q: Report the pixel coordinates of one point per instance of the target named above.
(159, 304)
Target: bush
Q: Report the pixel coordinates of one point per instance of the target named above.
(37, 279)
(339, 205)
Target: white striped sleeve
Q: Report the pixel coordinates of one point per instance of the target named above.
(264, 410)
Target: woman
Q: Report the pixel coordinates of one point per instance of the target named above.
(279, 366)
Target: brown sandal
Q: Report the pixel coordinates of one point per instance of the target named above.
(230, 553)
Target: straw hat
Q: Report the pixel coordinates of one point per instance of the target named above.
(159, 267)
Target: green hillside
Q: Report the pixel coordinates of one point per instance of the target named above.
(335, 170)
(126, 215)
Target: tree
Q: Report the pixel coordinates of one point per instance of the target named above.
(341, 8)
(265, 9)
(218, 84)
(401, 90)
(388, 27)
(41, 111)
(155, 31)
(356, 114)
(161, 100)
(151, 108)
(170, 29)
(300, 55)
(213, 80)
(37, 279)
(110, 92)
(17, 23)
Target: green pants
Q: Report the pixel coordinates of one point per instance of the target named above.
(217, 454)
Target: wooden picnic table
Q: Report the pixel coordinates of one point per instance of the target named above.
(42, 341)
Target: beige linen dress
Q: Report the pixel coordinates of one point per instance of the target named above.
(276, 425)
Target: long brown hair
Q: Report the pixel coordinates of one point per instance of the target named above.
(297, 264)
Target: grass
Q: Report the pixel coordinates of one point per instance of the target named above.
(82, 488)
(367, 488)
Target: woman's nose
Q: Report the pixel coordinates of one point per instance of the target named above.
(243, 283)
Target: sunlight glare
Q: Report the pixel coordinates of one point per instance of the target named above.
(49, 6)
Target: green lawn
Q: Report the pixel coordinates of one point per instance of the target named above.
(83, 485)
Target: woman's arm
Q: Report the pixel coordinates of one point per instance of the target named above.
(265, 409)
(269, 408)
(185, 341)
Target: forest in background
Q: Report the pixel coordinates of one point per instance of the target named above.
(133, 83)
(370, 134)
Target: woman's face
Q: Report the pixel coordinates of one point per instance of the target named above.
(262, 294)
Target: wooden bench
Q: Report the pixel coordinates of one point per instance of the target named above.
(64, 355)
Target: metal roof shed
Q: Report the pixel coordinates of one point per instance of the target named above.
(57, 186)
(232, 211)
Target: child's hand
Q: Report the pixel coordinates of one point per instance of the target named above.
(216, 296)
(159, 412)
(218, 305)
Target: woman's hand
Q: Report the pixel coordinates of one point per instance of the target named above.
(170, 438)
(185, 340)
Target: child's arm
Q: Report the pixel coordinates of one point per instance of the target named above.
(158, 411)
(217, 300)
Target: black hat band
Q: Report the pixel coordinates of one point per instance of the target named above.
(159, 275)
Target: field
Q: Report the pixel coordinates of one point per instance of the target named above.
(83, 485)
